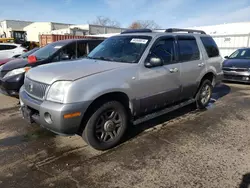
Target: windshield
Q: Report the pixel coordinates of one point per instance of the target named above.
(128, 49)
(48, 50)
(240, 54)
(25, 55)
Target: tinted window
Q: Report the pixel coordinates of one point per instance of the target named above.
(7, 47)
(81, 49)
(164, 49)
(188, 49)
(127, 49)
(210, 46)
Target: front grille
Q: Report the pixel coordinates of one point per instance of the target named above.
(35, 89)
(235, 69)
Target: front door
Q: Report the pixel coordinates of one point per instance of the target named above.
(160, 86)
(192, 65)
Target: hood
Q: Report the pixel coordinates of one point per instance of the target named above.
(15, 64)
(3, 61)
(238, 63)
(71, 70)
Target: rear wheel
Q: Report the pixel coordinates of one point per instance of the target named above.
(204, 94)
(106, 126)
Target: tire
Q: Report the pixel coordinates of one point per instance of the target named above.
(106, 126)
(201, 100)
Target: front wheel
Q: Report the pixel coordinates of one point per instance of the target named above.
(204, 94)
(106, 126)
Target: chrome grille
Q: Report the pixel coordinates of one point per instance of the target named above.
(35, 89)
(235, 69)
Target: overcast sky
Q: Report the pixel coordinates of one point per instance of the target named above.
(166, 13)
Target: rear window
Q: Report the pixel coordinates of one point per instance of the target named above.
(210, 46)
(7, 47)
(188, 49)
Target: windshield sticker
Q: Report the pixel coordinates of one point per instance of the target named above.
(139, 41)
(57, 47)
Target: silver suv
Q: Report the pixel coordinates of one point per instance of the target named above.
(129, 78)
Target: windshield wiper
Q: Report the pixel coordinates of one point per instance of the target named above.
(100, 58)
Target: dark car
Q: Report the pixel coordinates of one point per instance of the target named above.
(12, 73)
(236, 67)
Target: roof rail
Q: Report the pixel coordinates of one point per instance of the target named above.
(172, 30)
(137, 31)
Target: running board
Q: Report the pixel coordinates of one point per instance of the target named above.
(163, 111)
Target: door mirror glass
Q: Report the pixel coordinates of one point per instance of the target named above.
(226, 57)
(153, 62)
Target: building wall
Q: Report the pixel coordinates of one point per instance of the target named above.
(35, 29)
(7, 26)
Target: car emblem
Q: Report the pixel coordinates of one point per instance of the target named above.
(233, 68)
(30, 87)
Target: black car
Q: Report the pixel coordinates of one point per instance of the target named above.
(12, 73)
(236, 67)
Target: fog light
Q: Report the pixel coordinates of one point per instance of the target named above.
(47, 118)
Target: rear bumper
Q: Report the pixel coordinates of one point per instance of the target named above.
(237, 76)
(12, 85)
(58, 124)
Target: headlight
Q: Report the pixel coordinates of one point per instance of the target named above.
(58, 90)
(16, 72)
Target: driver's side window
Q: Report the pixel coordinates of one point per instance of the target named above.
(164, 49)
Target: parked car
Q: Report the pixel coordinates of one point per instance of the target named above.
(19, 57)
(9, 50)
(236, 67)
(12, 73)
(131, 77)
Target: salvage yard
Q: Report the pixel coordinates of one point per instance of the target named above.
(186, 148)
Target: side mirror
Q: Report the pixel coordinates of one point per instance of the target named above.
(154, 62)
(226, 57)
(64, 57)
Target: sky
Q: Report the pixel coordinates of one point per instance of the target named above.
(166, 13)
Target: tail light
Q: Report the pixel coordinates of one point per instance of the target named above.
(32, 59)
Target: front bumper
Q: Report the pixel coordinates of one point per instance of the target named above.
(218, 79)
(11, 86)
(237, 76)
(35, 111)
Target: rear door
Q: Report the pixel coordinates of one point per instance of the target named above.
(192, 65)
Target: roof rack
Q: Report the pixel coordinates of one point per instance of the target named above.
(137, 31)
(172, 30)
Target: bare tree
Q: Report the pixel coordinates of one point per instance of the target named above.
(144, 24)
(105, 21)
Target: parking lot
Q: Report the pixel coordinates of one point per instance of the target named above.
(186, 148)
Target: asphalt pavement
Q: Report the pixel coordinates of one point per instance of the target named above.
(186, 148)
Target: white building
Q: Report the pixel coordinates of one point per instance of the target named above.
(34, 29)
(8, 26)
(229, 37)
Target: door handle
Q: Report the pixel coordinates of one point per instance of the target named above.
(201, 64)
(173, 70)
